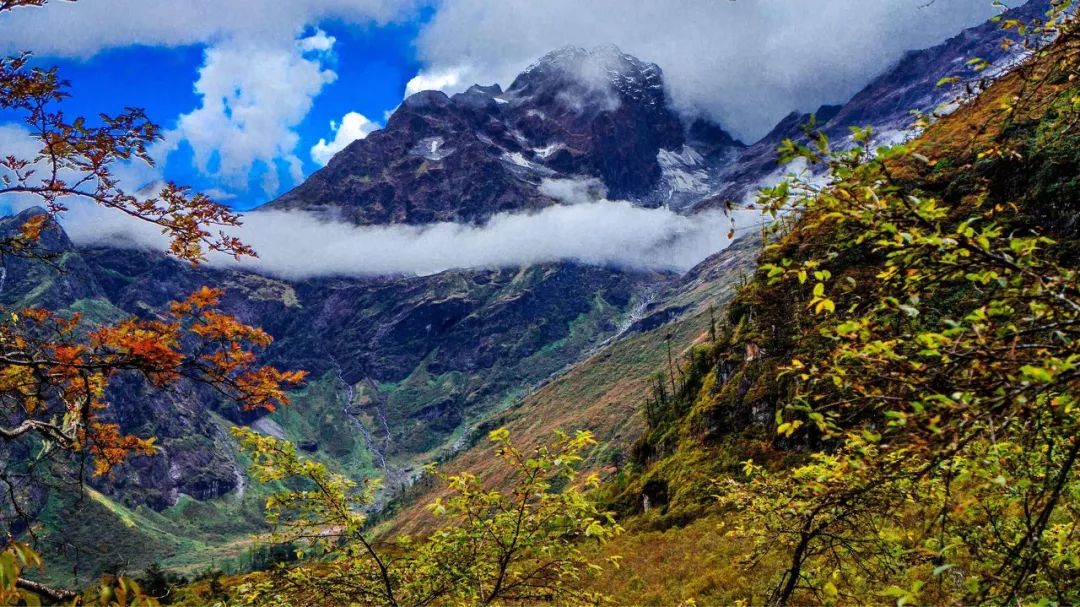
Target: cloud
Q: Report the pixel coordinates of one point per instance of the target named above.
(292, 244)
(441, 79)
(353, 126)
(296, 245)
(746, 64)
(219, 194)
(573, 191)
(262, 68)
(85, 28)
(18, 141)
(320, 42)
(253, 96)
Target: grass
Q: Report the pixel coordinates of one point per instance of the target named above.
(98, 311)
(602, 394)
(699, 563)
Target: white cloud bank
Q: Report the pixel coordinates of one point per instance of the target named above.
(297, 245)
(746, 63)
(291, 244)
(353, 126)
(587, 228)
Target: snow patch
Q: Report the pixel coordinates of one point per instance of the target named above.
(519, 160)
(683, 171)
(684, 181)
(431, 148)
(685, 157)
(547, 150)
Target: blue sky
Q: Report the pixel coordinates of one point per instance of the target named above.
(245, 88)
(373, 65)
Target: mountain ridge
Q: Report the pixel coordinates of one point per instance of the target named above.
(573, 115)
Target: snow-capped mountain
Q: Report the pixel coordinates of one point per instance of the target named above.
(595, 115)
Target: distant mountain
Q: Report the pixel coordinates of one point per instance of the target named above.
(576, 114)
(600, 115)
(888, 103)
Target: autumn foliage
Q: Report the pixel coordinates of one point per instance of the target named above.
(55, 371)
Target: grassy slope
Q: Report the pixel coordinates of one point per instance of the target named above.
(602, 393)
(681, 549)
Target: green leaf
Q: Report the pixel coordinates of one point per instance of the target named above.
(1038, 374)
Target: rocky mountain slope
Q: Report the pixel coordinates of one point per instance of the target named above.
(400, 368)
(599, 116)
(622, 386)
(890, 104)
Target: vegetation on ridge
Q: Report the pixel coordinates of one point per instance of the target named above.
(889, 411)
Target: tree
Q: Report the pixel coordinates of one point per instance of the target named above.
(155, 582)
(521, 546)
(938, 379)
(54, 374)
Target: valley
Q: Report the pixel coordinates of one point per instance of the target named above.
(679, 374)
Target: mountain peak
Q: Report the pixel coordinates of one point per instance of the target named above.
(577, 114)
(602, 68)
(569, 56)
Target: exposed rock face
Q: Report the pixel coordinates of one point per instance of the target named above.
(431, 350)
(574, 114)
(25, 282)
(601, 113)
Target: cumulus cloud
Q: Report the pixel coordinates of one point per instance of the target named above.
(319, 42)
(258, 80)
(440, 79)
(353, 126)
(746, 64)
(16, 140)
(297, 245)
(254, 94)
